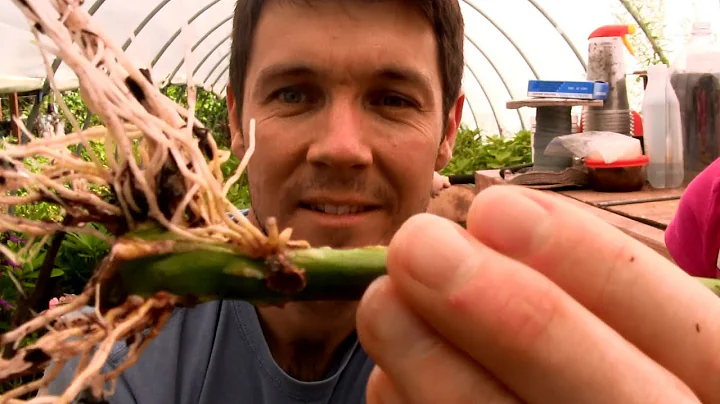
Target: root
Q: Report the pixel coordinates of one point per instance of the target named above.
(161, 167)
(52, 374)
(79, 334)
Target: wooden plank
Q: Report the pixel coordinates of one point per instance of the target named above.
(552, 102)
(657, 214)
(593, 197)
(492, 173)
(648, 235)
(487, 178)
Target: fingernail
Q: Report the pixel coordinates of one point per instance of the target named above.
(438, 252)
(514, 225)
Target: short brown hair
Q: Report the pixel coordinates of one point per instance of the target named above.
(443, 15)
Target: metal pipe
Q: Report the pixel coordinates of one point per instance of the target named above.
(221, 75)
(561, 32)
(167, 44)
(502, 79)
(219, 62)
(198, 43)
(144, 23)
(482, 88)
(503, 33)
(227, 80)
(472, 111)
(207, 55)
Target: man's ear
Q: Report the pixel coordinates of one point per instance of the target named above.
(237, 142)
(453, 124)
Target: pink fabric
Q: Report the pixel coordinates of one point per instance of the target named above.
(693, 236)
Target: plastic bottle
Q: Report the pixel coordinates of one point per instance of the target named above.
(700, 53)
(695, 77)
(662, 130)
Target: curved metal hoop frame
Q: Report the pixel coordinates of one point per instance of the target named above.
(222, 64)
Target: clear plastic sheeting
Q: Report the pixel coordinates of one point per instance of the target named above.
(508, 42)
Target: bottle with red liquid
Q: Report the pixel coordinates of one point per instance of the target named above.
(695, 77)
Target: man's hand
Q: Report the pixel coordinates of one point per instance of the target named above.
(536, 302)
(440, 182)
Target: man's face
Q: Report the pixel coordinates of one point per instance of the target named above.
(347, 100)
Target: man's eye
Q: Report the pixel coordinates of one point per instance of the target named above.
(291, 96)
(394, 101)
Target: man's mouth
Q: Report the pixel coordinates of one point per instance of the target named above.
(332, 209)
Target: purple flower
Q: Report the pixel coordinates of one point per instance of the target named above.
(13, 264)
(16, 239)
(4, 304)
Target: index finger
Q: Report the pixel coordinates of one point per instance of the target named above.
(516, 323)
(652, 303)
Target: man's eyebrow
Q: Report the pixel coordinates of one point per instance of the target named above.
(397, 73)
(273, 72)
(391, 73)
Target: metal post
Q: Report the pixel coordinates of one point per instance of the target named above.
(15, 114)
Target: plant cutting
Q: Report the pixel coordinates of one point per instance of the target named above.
(175, 238)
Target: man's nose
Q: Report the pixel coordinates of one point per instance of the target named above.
(341, 141)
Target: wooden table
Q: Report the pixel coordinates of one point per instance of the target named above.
(644, 215)
(653, 207)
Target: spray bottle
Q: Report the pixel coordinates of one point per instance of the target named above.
(606, 62)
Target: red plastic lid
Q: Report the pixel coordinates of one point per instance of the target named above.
(612, 31)
(640, 161)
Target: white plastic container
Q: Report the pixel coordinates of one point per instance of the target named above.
(701, 54)
(663, 130)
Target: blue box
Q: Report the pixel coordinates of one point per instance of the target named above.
(584, 90)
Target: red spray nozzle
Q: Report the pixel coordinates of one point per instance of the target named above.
(620, 31)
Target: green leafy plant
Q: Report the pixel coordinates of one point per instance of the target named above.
(648, 15)
(79, 255)
(476, 152)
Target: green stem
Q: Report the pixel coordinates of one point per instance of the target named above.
(203, 275)
(712, 284)
(200, 273)
(646, 30)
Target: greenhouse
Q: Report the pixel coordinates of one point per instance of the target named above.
(507, 43)
(553, 236)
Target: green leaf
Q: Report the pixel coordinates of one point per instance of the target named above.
(504, 155)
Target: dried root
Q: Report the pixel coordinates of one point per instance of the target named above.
(92, 336)
(162, 167)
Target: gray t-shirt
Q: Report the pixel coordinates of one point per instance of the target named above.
(215, 353)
